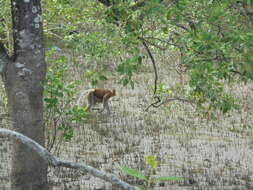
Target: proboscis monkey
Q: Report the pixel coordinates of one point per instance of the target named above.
(98, 95)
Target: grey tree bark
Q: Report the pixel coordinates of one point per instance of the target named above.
(23, 75)
(56, 162)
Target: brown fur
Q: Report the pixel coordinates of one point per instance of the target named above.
(96, 95)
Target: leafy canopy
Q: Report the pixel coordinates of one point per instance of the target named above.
(213, 38)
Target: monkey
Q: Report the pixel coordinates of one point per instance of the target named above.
(98, 95)
(102, 96)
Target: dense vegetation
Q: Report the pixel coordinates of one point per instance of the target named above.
(214, 40)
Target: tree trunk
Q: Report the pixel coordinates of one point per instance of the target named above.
(23, 77)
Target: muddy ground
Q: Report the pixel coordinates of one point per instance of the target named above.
(209, 154)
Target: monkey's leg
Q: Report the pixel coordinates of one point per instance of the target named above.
(105, 103)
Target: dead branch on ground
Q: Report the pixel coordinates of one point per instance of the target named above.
(56, 162)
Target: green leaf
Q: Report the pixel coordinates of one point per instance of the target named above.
(168, 15)
(169, 178)
(68, 132)
(150, 160)
(102, 77)
(139, 59)
(134, 173)
(124, 81)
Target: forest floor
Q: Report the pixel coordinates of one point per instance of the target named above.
(211, 154)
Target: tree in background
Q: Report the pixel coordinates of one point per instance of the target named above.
(23, 74)
(212, 38)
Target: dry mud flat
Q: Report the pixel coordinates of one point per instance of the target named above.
(210, 154)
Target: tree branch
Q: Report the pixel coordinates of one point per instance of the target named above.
(155, 45)
(182, 27)
(54, 161)
(156, 105)
(153, 62)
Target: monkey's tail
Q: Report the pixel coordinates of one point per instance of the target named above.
(82, 96)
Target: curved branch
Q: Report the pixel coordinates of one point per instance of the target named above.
(153, 62)
(54, 161)
(162, 41)
(182, 26)
(173, 99)
(156, 105)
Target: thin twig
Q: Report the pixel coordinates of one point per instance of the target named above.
(156, 105)
(182, 26)
(162, 41)
(155, 45)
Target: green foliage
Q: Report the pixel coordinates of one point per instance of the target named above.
(95, 76)
(55, 87)
(134, 173)
(128, 68)
(214, 38)
(77, 114)
(149, 179)
(59, 95)
(68, 132)
(214, 51)
(151, 162)
(6, 25)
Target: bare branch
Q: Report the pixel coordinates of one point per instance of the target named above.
(153, 44)
(162, 41)
(153, 62)
(174, 99)
(54, 161)
(156, 105)
(158, 100)
(182, 26)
